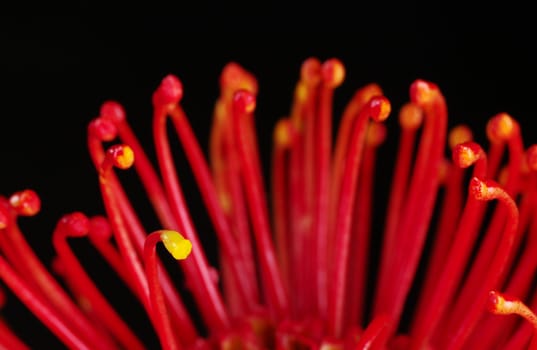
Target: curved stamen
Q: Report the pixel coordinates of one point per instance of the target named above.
(197, 269)
(377, 109)
(77, 225)
(179, 248)
(488, 190)
(243, 107)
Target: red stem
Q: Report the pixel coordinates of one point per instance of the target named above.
(44, 284)
(520, 281)
(378, 108)
(76, 274)
(271, 278)
(148, 176)
(361, 227)
(239, 220)
(280, 198)
(495, 270)
(321, 144)
(486, 253)
(375, 336)
(42, 310)
(9, 340)
(136, 232)
(209, 195)
(207, 296)
(430, 310)
(421, 196)
(167, 334)
(409, 121)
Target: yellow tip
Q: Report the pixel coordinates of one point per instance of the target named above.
(220, 110)
(410, 116)
(501, 127)
(250, 107)
(178, 246)
(301, 91)
(423, 93)
(333, 72)
(365, 94)
(467, 157)
(501, 304)
(498, 305)
(376, 134)
(124, 157)
(281, 133)
(225, 201)
(459, 134)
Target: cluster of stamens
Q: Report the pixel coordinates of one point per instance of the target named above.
(295, 264)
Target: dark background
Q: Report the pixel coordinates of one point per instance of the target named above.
(56, 72)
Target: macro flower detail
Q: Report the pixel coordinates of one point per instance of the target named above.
(302, 264)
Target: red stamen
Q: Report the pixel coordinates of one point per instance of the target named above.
(180, 248)
(25, 203)
(117, 223)
(113, 112)
(226, 177)
(99, 234)
(375, 336)
(197, 270)
(452, 206)
(487, 191)
(301, 179)
(499, 130)
(9, 340)
(77, 225)
(378, 109)
(202, 175)
(283, 135)
(42, 309)
(431, 309)
(243, 107)
(502, 304)
(421, 196)
(332, 74)
(40, 280)
(132, 225)
(494, 232)
(410, 119)
(521, 274)
(361, 227)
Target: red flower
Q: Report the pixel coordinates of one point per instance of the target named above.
(298, 266)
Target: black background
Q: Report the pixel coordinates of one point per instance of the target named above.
(56, 72)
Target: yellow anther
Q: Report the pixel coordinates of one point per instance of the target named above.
(281, 133)
(501, 304)
(220, 110)
(301, 91)
(122, 156)
(376, 134)
(250, 106)
(459, 134)
(500, 127)
(410, 116)
(466, 156)
(225, 201)
(423, 92)
(333, 72)
(178, 246)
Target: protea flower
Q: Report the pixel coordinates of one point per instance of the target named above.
(300, 264)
